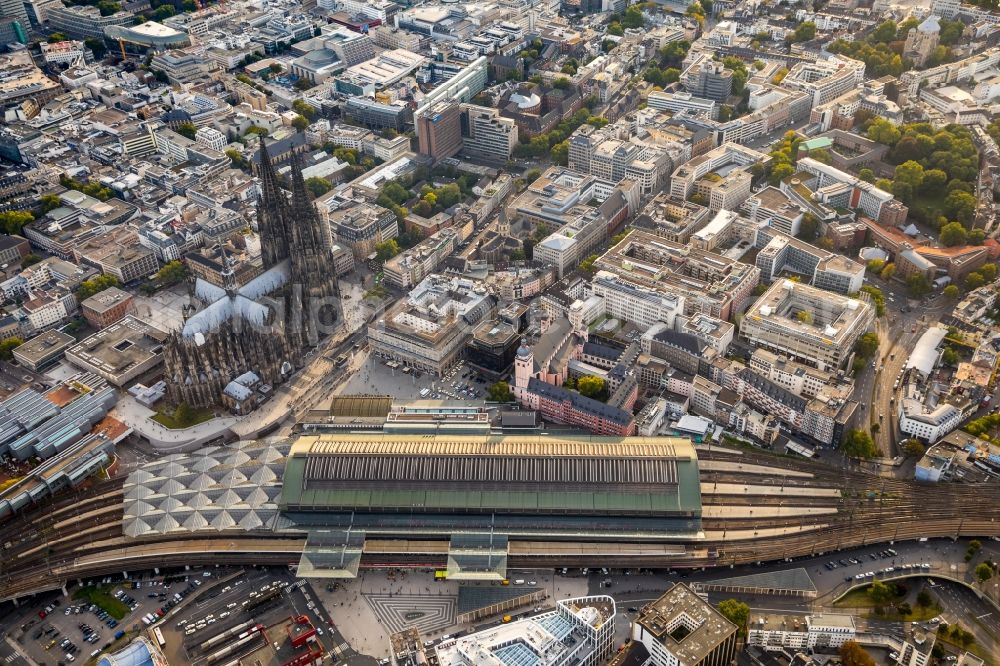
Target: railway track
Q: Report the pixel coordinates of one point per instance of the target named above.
(80, 536)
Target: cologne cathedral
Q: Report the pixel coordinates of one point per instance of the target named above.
(265, 326)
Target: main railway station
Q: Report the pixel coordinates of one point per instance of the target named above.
(468, 495)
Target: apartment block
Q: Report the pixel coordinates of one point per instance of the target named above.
(807, 324)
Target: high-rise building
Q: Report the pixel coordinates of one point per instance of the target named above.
(711, 80)
(439, 130)
(486, 133)
(14, 9)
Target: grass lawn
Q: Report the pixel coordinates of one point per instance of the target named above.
(919, 614)
(103, 598)
(975, 649)
(858, 598)
(168, 420)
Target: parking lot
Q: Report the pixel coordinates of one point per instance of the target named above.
(86, 627)
(374, 376)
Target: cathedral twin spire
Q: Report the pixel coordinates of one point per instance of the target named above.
(288, 230)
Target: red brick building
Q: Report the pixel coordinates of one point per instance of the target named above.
(106, 307)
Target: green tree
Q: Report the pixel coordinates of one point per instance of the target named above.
(12, 221)
(184, 415)
(30, 260)
(300, 123)
(303, 84)
(259, 131)
(914, 449)
(934, 180)
(910, 172)
(736, 612)
(974, 280)
(950, 357)
(888, 272)
(56, 37)
(590, 386)
(236, 157)
(924, 598)
(304, 108)
(881, 593)
(953, 234)
(858, 444)
(780, 172)
(387, 249)
(499, 392)
(805, 32)
(960, 206)
(951, 31)
(867, 345)
(164, 11)
(633, 17)
(562, 83)
(8, 346)
(108, 7)
(884, 32)
(867, 175)
(918, 285)
(884, 132)
(852, 654)
(983, 570)
(804, 316)
(560, 153)
(587, 265)
(318, 186)
(809, 227)
(171, 273)
(951, 292)
(988, 271)
(49, 202)
(95, 285)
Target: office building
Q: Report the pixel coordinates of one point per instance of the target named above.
(917, 420)
(376, 115)
(807, 324)
(121, 352)
(682, 629)
(780, 253)
(840, 189)
(777, 209)
(579, 632)
(710, 283)
(822, 633)
(428, 329)
(439, 131)
(14, 9)
(709, 79)
(43, 350)
(414, 264)
(360, 225)
(682, 101)
(492, 348)
(86, 22)
(485, 133)
(106, 307)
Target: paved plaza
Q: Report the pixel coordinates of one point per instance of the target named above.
(369, 608)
